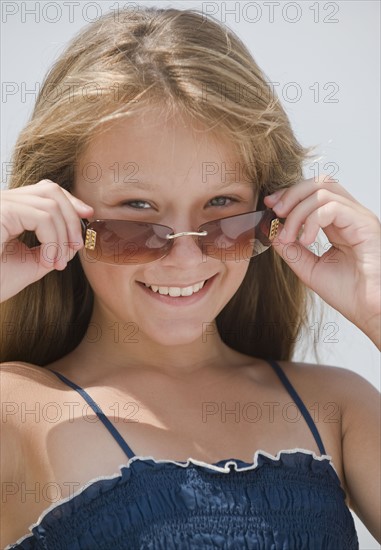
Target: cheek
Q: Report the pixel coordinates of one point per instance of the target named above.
(95, 271)
(237, 272)
(106, 279)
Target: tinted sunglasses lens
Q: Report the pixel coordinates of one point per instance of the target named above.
(125, 242)
(238, 237)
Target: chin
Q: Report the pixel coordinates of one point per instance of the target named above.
(175, 335)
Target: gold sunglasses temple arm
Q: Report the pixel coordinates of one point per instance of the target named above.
(274, 226)
(90, 236)
(273, 231)
(91, 239)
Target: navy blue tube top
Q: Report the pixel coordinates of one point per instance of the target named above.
(291, 501)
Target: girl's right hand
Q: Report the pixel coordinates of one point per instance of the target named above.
(54, 215)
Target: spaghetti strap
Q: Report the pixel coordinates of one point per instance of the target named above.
(98, 411)
(122, 443)
(299, 403)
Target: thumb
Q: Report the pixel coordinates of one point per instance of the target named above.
(301, 260)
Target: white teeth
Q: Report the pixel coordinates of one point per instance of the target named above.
(175, 290)
(172, 291)
(188, 291)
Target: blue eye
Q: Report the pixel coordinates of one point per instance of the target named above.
(130, 203)
(223, 198)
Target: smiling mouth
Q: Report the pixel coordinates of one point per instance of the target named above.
(175, 291)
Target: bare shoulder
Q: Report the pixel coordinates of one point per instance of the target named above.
(338, 380)
(22, 383)
(23, 387)
(14, 373)
(347, 388)
(327, 378)
(336, 384)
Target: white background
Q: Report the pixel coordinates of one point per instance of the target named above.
(333, 47)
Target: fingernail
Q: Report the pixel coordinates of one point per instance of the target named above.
(84, 205)
(275, 195)
(61, 264)
(87, 207)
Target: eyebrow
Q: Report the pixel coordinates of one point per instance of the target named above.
(139, 184)
(145, 185)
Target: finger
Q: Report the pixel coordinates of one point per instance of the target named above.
(18, 218)
(40, 216)
(83, 210)
(307, 265)
(42, 186)
(272, 199)
(299, 258)
(44, 217)
(305, 209)
(291, 196)
(355, 227)
(71, 208)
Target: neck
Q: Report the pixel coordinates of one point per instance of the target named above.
(117, 346)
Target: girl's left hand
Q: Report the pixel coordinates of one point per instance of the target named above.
(347, 276)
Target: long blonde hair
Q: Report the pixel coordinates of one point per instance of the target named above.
(186, 63)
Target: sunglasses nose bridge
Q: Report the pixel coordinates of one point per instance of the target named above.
(184, 233)
(194, 235)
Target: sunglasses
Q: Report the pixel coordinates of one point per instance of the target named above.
(234, 238)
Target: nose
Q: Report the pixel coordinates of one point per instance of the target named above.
(185, 250)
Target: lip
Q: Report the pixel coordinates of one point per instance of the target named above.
(178, 300)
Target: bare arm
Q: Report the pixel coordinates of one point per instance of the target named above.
(361, 441)
(10, 463)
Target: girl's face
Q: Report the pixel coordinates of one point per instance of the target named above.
(153, 170)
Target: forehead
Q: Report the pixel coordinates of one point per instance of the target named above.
(152, 146)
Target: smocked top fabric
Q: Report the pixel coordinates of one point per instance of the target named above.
(291, 501)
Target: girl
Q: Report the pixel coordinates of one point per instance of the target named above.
(146, 284)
